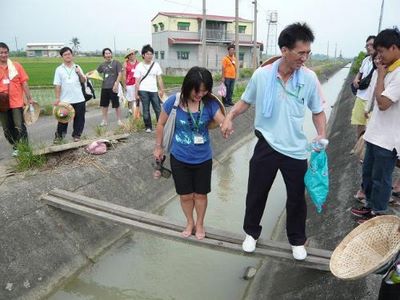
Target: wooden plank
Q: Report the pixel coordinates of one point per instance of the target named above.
(311, 262)
(157, 220)
(69, 146)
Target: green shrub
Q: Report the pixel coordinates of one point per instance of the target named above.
(357, 63)
(237, 92)
(217, 77)
(246, 73)
(26, 159)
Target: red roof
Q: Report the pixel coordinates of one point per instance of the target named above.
(200, 17)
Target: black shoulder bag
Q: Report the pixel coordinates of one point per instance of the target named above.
(147, 73)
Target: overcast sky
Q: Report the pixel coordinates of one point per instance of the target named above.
(96, 22)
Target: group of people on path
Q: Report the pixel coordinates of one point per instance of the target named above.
(280, 92)
(140, 82)
(376, 114)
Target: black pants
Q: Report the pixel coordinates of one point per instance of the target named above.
(264, 165)
(79, 122)
(13, 125)
(389, 291)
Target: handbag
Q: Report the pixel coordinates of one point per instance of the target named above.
(88, 90)
(316, 179)
(169, 127)
(364, 83)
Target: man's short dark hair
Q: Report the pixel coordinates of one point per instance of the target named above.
(147, 48)
(293, 33)
(4, 45)
(387, 38)
(371, 37)
(231, 46)
(65, 49)
(106, 49)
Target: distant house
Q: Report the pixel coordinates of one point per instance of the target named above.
(176, 39)
(43, 49)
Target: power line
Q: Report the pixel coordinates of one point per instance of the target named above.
(188, 4)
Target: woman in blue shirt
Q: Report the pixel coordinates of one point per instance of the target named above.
(191, 154)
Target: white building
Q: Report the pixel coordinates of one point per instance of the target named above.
(43, 49)
(176, 39)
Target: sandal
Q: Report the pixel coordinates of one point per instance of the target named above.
(396, 194)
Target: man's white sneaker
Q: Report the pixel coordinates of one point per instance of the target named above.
(148, 130)
(103, 123)
(249, 244)
(299, 252)
(120, 123)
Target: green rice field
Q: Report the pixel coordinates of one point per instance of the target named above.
(41, 70)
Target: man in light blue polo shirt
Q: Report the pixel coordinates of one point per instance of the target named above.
(281, 91)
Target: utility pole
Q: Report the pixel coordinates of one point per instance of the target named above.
(204, 37)
(255, 59)
(335, 51)
(380, 18)
(237, 36)
(327, 50)
(115, 47)
(16, 43)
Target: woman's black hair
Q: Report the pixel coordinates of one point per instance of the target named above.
(65, 49)
(104, 51)
(193, 80)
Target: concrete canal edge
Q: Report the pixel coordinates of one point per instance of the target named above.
(325, 230)
(42, 247)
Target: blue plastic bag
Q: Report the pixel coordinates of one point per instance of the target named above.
(316, 179)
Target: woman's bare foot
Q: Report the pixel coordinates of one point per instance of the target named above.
(200, 232)
(188, 230)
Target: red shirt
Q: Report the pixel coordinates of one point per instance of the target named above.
(130, 71)
(14, 86)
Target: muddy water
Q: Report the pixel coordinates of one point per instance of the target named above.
(146, 267)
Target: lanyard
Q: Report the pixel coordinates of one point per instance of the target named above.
(289, 92)
(69, 72)
(195, 124)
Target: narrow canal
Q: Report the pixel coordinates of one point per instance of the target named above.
(147, 267)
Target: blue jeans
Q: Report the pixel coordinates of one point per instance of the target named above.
(230, 85)
(378, 168)
(147, 98)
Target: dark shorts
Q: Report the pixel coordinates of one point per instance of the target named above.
(190, 178)
(108, 95)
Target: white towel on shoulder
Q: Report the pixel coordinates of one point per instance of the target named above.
(12, 70)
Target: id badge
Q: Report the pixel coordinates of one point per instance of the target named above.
(6, 81)
(198, 139)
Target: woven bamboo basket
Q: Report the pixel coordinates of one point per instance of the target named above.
(367, 248)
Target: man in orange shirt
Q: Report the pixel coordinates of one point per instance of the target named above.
(13, 86)
(229, 65)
